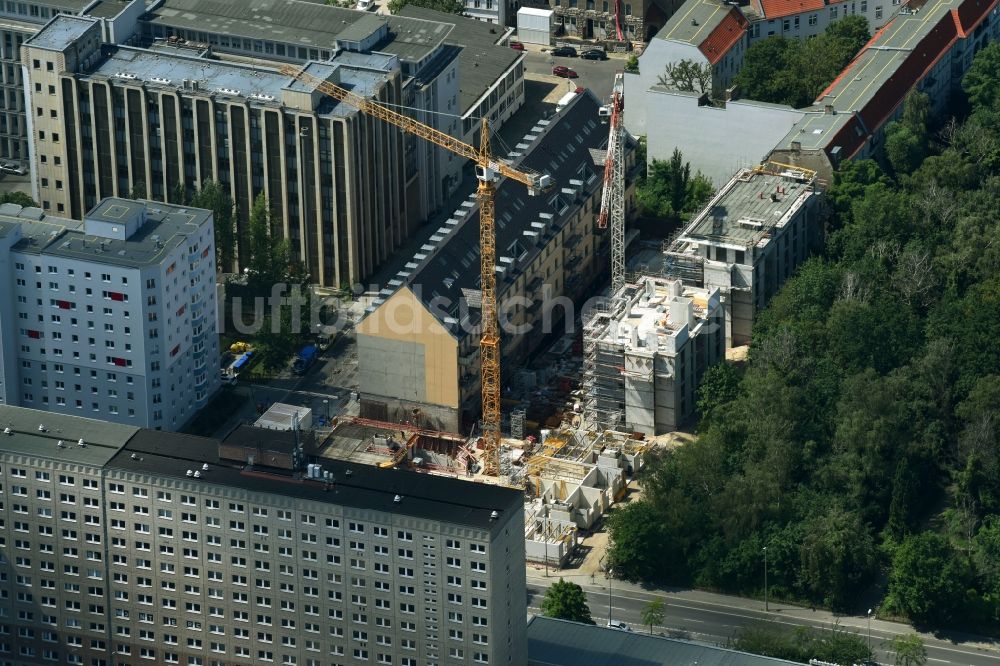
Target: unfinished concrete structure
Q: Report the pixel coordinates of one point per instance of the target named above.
(748, 240)
(569, 485)
(645, 352)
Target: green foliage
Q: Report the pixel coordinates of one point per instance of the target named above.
(861, 439)
(632, 64)
(447, 6)
(269, 258)
(909, 649)
(982, 82)
(212, 197)
(669, 190)
(929, 580)
(794, 71)
(565, 600)
(906, 142)
(19, 198)
(688, 76)
(653, 613)
(802, 644)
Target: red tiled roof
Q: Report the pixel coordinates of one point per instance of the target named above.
(775, 9)
(917, 65)
(730, 30)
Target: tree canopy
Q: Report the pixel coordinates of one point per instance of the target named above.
(19, 198)
(668, 190)
(795, 71)
(447, 6)
(862, 436)
(565, 600)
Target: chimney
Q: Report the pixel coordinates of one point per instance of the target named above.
(829, 110)
(796, 146)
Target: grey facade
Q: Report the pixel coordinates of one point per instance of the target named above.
(147, 547)
(113, 317)
(748, 240)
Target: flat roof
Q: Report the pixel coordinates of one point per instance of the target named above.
(102, 440)
(481, 62)
(259, 85)
(438, 498)
(107, 8)
(694, 21)
(648, 312)
(61, 31)
(298, 22)
(166, 227)
(745, 207)
(553, 642)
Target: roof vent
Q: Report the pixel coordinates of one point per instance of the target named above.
(8, 431)
(694, 21)
(190, 472)
(197, 474)
(133, 456)
(397, 499)
(160, 79)
(494, 515)
(348, 473)
(42, 428)
(204, 467)
(60, 444)
(80, 442)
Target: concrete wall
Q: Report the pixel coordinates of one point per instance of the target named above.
(406, 354)
(716, 141)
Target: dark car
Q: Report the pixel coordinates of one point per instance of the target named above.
(594, 54)
(517, 46)
(564, 52)
(564, 71)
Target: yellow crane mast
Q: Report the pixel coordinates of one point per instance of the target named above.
(489, 170)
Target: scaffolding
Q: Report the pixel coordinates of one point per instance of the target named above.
(517, 423)
(603, 367)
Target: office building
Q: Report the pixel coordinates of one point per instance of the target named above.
(928, 47)
(418, 346)
(112, 317)
(644, 354)
(610, 21)
(748, 240)
(130, 546)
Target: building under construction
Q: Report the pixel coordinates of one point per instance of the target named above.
(748, 240)
(645, 352)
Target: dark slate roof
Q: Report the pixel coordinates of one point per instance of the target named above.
(481, 61)
(554, 642)
(439, 498)
(448, 266)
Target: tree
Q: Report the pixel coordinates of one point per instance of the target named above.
(636, 551)
(565, 600)
(982, 82)
(632, 64)
(670, 191)
(19, 198)
(719, 386)
(269, 259)
(212, 197)
(653, 613)
(927, 581)
(688, 76)
(446, 6)
(909, 649)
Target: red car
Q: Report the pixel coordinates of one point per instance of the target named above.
(517, 46)
(565, 72)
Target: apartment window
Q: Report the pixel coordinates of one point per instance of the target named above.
(878, 13)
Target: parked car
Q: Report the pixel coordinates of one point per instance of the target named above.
(365, 5)
(594, 54)
(564, 52)
(517, 46)
(565, 72)
(12, 167)
(618, 624)
(228, 379)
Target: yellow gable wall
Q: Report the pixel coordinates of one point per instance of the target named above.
(403, 317)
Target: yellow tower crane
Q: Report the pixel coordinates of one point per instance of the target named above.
(489, 170)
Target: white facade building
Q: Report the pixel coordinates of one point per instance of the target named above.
(809, 18)
(114, 317)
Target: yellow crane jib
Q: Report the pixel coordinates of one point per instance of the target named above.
(489, 170)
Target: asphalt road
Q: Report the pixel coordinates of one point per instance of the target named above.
(714, 619)
(598, 75)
